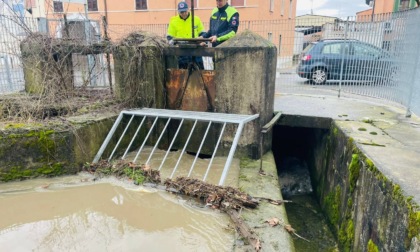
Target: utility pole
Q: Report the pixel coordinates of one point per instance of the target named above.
(373, 10)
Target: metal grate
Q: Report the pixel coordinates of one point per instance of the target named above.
(210, 118)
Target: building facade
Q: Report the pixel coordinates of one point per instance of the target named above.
(159, 12)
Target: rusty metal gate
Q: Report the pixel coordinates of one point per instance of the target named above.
(182, 116)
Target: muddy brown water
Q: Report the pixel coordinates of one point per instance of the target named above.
(75, 213)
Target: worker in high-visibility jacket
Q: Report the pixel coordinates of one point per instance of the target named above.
(180, 26)
(224, 22)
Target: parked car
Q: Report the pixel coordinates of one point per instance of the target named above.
(354, 60)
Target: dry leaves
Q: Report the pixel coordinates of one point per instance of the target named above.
(273, 221)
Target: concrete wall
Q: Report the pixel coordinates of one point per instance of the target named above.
(245, 79)
(30, 150)
(365, 209)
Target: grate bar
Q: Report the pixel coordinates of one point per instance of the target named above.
(172, 143)
(135, 135)
(214, 152)
(145, 139)
(119, 140)
(108, 138)
(183, 150)
(199, 149)
(169, 115)
(157, 142)
(231, 153)
(193, 115)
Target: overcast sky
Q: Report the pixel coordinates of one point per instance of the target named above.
(335, 8)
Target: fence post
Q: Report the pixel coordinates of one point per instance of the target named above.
(108, 58)
(9, 77)
(342, 52)
(415, 66)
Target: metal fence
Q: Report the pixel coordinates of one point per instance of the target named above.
(375, 56)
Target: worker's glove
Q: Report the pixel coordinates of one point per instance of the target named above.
(171, 42)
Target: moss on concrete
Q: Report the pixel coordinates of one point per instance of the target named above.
(21, 173)
(413, 222)
(346, 235)
(332, 205)
(372, 247)
(354, 171)
(50, 150)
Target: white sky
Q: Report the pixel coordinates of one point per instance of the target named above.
(335, 8)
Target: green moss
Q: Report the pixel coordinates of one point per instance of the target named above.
(50, 170)
(332, 205)
(413, 224)
(367, 121)
(243, 177)
(136, 175)
(373, 133)
(335, 131)
(372, 247)
(15, 125)
(362, 129)
(346, 235)
(369, 163)
(349, 203)
(245, 162)
(354, 170)
(20, 173)
(15, 173)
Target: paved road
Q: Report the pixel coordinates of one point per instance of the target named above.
(287, 81)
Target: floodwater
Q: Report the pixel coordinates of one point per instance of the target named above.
(304, 213)
(186, 162)
(75, 213)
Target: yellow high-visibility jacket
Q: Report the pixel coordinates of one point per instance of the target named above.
(180, 28)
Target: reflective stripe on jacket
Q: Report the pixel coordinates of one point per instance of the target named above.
(224, 23)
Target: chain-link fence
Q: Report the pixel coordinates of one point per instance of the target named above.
(13, 30)
(374, 56)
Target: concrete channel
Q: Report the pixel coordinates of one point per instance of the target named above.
(363, 157)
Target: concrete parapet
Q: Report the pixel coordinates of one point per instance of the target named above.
(31, 150)
(140, 71)
(245, 80)
(47, 67)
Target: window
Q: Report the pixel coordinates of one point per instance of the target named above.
(335, 48)
(237, 2)
(141, 4)
(365, 51)
(271, 5)
(92, 5)
(58, 6)
(189, 3)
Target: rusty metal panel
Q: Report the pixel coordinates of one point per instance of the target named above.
(194, 92)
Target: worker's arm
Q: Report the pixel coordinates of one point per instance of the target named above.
(232, 29)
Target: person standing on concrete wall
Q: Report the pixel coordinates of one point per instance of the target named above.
(224, 22)
(180, 26)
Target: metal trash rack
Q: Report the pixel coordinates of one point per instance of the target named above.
(182, 115)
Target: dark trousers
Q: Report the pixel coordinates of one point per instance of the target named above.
(183, 62)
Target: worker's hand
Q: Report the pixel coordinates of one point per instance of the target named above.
(213, 39)
(203, 44)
